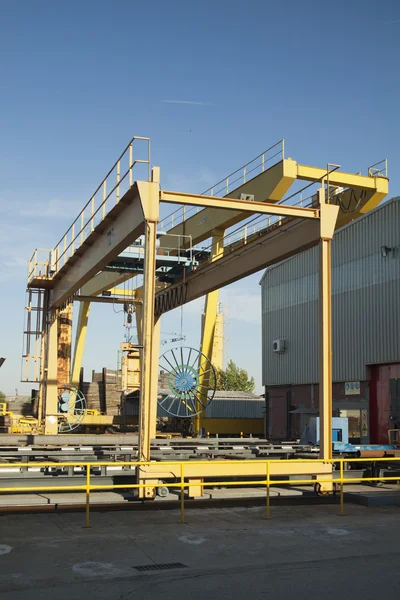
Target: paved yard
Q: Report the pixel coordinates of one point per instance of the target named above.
(303, 552)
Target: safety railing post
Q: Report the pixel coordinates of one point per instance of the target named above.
(73, 239)
(268, 509)
(87, 491)
(118, 180)
(341, 489)
(182, 493)
(130, 165)
(92, 217)
(148, 161)
(103, 212)
(81, 231)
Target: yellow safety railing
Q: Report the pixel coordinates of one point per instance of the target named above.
(268, 482)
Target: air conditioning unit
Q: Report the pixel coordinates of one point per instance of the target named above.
(278, 345)
(247, 197)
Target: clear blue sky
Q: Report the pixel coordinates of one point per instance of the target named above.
(78, 79)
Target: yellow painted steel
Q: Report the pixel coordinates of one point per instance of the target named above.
(217, 357)
(130, 367)
(147, 357)
(342, 179)
(182, 492)
(240, 206)
(80, 338)
(270, 185)
(121, 292)
(209, 319)
(150, 329)
(328, 221)
(87, 492)
(103, 281)
(180, 470)
(51, 401)
(124, 224)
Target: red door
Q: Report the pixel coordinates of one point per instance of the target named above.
(381, 401)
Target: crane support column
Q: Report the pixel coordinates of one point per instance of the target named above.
(154, 379)
(149, 195)
(64, 344)
(328, 219)
(210, 311)
(51, 403)
(148, 350)
(83, 317)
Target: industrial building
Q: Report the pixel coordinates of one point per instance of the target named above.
(365, 331)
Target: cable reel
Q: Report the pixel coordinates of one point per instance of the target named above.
(191, 382)
(71, 408)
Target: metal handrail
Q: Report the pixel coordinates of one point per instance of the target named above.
(228, 183)
(379, 169)
(64, 248)
(182, 484)
(244, 167)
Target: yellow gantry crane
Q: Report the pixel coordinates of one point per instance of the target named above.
(250, 222)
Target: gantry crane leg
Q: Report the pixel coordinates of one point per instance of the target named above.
(51, 375)
(64, 344)
(80, 338)
(210, 314)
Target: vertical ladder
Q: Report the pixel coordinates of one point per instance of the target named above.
(32, 352)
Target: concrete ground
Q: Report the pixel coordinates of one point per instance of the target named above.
(55, 498)
(233, 553)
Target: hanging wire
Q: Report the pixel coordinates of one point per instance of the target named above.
(181, 325)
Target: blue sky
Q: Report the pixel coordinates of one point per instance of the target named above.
(78, 79)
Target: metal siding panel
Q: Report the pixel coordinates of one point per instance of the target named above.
(365, 304)
(235, 409)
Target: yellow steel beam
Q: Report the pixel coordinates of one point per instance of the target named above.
(343, 179)
(280, 241)
(210, 315)
(256, 468)
(103, 281)
(289, 238)
(240, 206)
(51, 400)
(123, 224)
(115, 291)
(150, 334)
(329, 214)
(156, 340)
(147, 355)
(64, 344)
(80, 338)
(270, 185)
(106, 299)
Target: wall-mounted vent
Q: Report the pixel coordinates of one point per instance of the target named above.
(278, 345)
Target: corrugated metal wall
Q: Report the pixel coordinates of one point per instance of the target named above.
(226, 405)
(365, 304)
